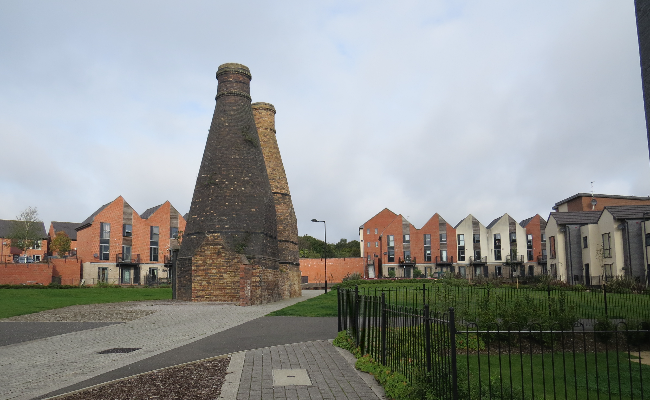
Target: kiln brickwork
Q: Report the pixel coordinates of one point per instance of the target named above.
(230, 246)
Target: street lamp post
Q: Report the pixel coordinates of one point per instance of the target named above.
(325, 225)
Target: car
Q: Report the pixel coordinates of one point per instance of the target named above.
(25, 260)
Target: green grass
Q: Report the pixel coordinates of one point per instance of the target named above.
(324, 305)
(26, 301)
(551, 376)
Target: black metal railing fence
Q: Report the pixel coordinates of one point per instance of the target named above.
(471, 360)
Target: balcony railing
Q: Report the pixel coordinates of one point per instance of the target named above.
(541, 259)
(408, 260)
(478, 260)
(120, 258)
(447, 260)
(514, 259)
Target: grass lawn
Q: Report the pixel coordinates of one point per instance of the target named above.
(26, 301)
(552, 376)
(324, 305)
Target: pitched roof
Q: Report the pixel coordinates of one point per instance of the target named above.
(461, 221)
(67, 227)
(576, 217)
(629, 212)
(150, 211)
(494, 221)
(6, 228)
(526, 222)
(89, 221)
(187, 214)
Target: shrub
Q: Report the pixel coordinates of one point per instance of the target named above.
(391, 273)
(417, 273)
(352, 277)
(603, 329)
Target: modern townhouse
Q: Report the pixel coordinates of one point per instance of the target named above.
(506, 247)
(10, 254)
(472, 247)
(119, 246)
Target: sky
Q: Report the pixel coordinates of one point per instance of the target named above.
(435, 106)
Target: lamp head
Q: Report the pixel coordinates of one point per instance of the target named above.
(314, 220)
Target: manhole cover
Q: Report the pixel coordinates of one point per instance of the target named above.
(119, 350)
(290, 377)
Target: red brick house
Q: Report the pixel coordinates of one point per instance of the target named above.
(9, 254)
(69, 228)
(117, 245)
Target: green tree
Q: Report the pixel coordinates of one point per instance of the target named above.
(311, 247)
(25, 231)
(61, 244)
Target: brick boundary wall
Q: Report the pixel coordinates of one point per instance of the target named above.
(69, 269)
(25, 274)
(337, 268)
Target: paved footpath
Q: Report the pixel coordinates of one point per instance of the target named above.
(34, 368)
(302, 371)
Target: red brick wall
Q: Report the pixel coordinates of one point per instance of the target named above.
(337, 268)
(69, 269)
(379, 222)
(534, 228)
(17, 274)
(584, 203)
(88, 238)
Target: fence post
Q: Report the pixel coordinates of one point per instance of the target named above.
(427, 332)
(548, 289)
(424, 294)
(605, 298)
(356, 314)
(338, 308)
(454, 368)
(384, 326)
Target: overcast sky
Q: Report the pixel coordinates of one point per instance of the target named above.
(454, 107)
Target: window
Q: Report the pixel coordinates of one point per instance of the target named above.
(544, 254)
(497, 254)
(497, 240)
(498, 270)
(104, 241)
(376, 244)
(102, 274)
(37, 245)
(584, 242)
(368, 243)
(477, 238)
(461, 240)
(552, 245)
(477, 255)
(529, 252)
(391, 255)
(37, 258)
(529, 241)
(127, 230)
(153, 243)
(443, 255)
(407, 239)
(369, 258)
(375, 231)
(368, 231)
(390, 240)
(427, 247)
(443, 238)
(607, 250)
(608, 270)
(461, 253)
(126, 253)
(543, 238)
(173, 233)
(407, 255)
(513, 237)
(647, 239)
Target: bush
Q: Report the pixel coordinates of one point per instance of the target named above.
(391, 273)
(603, 329)
(352, 277)
(417, 273)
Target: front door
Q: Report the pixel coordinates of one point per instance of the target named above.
(126, 276)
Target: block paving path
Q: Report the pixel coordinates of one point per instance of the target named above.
(331, 375)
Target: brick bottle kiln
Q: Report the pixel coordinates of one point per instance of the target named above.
(240, 242)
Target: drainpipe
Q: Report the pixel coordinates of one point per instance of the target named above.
(645, 251)
(629, 249)
(569, 261)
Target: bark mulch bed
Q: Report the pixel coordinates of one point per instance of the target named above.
(198, 380)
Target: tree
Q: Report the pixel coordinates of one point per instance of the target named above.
(25, 231)
(61, 244)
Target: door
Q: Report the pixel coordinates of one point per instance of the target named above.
(126, 276)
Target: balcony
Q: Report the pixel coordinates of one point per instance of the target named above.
(447, 261)
(407, 261)
(510, 259)
(121, 258)
(541, 259)
(478, 260)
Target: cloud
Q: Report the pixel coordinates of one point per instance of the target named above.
(454, 107)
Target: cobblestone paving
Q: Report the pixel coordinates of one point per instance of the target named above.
(38, 367)
(332, 377)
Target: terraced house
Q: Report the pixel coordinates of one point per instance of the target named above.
(120, 246)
